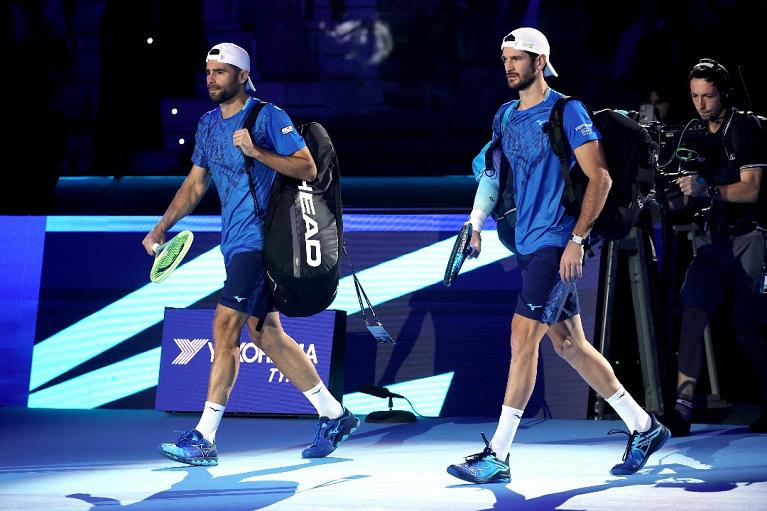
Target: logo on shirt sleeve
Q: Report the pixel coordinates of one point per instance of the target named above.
(585, 129)
(287, 129)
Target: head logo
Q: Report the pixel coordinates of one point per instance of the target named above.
(188, 350)
(312, 246)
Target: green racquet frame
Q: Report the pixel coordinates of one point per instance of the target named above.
(169, 255)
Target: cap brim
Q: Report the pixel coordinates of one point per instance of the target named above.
(250, 85)
(549, 70)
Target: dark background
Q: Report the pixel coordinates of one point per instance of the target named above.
(405, 87)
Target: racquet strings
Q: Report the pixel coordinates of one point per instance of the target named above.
(458, 259)
(170, 256)
(460, 250)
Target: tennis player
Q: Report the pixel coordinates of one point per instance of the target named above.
(550, 256)
(275, 146)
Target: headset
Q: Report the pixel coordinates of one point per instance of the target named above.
(713, 71)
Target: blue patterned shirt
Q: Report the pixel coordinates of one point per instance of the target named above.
(538, 183)
(242, 218)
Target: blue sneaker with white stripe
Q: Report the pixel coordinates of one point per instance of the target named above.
(640, 446)
(482, 467)
(330, 433)
(191, 448)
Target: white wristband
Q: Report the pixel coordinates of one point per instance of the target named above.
(477, 219)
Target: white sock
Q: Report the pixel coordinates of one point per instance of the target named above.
(504, 434)
(324, 402)
(633, 415)
(211, 418)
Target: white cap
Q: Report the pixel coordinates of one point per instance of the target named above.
(532, 40)
(230, 53)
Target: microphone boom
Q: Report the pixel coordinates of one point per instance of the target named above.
(376, 391)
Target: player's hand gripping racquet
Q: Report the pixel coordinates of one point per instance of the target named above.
(461, 250)
(169, 255)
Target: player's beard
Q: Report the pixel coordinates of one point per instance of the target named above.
(223, 93)
(524, 80)
(522, 83)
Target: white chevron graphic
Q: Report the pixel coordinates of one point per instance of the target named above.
(188, 350)
(193, 281)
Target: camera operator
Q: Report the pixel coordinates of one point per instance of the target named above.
(729, 247)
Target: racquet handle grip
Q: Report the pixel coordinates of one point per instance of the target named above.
(156, 248)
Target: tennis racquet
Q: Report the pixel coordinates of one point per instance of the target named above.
(461, 249)
(169, 255)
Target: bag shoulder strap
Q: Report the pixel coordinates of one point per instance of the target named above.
(555, 128)
(506, 115)
(505, 180)
(362, 298)
(248, 123)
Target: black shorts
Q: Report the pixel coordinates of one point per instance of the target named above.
(245, 285)
(725, 264)
(543, 293)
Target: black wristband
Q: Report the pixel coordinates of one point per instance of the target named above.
(713, 193)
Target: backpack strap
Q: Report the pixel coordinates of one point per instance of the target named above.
(505, 117)
(555, 128)
(506, 199)
(558, 139)
(248, 123)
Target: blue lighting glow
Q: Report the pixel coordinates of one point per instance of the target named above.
(20, 268)
(408, 273)
(352, 223)
(199, 278)
(126, 317)
(128, 224)
(103, 385)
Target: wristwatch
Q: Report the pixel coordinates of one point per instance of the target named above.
(713, 192)
(578, 240)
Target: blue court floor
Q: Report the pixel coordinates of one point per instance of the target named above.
(104, 459)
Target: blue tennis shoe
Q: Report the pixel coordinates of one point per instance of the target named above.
(330, 433)
(482, 467)
(640, 446)
(191, 448)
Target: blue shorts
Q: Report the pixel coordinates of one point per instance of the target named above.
(543, 293)
(245, 285)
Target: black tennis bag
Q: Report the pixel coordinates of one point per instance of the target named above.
(632, 162)
(303, 232)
